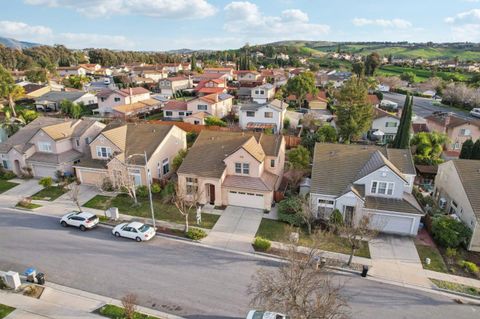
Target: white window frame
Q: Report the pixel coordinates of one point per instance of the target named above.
(465, 132)
(246, 168)
(45, 147)
(389, 188)
(100, 153)
(238, 168)
(202, 107)
(191, 185)
(168, 113)
(165, 163)
(391, 124)
(269, 113)
(250, 112)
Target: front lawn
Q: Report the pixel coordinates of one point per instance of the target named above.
(50, 193)
(5, 311)
(275, 230)
(115, 312)
(163, 211)
(436, 261)
(456, 287)
(27, 205)
(6, 185)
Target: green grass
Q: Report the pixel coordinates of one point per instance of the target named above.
(279, 231)
(28, 206)
(421, 74)
(6, 185)
(50, 193)
(456, 287)
(115, 312)
(156, 116)
(436, 260)
(163, 211)
(5, 311)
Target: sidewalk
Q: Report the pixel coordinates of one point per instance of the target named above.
(452, 278)
(60, 302)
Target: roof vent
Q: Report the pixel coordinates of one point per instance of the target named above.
(332, 153)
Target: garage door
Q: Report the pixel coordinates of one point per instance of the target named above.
(244, 199)
(393, 224)
(44, 171)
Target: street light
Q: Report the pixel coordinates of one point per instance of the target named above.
(147, 174)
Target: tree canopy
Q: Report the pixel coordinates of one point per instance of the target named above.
(301, 85)
(429, 147)
(402, 138)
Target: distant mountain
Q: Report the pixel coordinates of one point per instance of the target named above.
(188, 51)
(15, 44)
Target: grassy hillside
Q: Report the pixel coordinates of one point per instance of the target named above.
(421, 74)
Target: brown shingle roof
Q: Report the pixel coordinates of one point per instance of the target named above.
(264, 183)
(402, 159)
(135, 91)
(392, 204)
(469, 173)
(379, 113)
(449, 120)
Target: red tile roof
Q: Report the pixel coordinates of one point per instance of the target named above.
(210, 90)
(373, 99)
(135, 91)
(175, 105)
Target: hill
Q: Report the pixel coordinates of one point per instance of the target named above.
(15, 44)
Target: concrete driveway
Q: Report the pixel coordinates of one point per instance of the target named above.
(235, 229)
(25, 188)
(395, 258)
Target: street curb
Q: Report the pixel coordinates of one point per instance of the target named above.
(461, 294)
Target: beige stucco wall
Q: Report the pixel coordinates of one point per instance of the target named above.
(203, 196)
(242, 156)
(91, 132)
(449, 186)
(456, 137)
(102, 141)
(91, 176)
(42, 137)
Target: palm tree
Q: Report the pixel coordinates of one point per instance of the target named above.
(11, 124)
(9, 90)
(429, 147)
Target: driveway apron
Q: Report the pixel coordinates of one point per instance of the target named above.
(235, 229)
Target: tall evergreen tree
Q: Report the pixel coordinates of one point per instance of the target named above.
(467, 149)
(476, 150)
(402, 138)
(193, 63)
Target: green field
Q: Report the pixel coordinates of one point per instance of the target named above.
(421, 74)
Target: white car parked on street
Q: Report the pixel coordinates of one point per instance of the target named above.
(475, 112)
(134, 230)
(255, 314)
(82, 220)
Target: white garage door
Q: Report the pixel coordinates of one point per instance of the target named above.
(394, 224)
(245, 199)
(43, 171)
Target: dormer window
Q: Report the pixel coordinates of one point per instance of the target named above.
(382, 188)
(104, 152)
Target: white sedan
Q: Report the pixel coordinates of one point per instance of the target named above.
(134, 230)
(255, 314)
(82, 220)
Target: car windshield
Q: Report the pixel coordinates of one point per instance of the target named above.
(258, 315)
(144, 228)
(93, 218)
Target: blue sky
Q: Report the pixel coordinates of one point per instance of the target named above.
(223, 24)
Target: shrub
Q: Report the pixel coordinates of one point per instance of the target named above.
(336, 218)
(469, 266)
(286, 123)
(196, 233)
(46, 181)
(142, 191)
(449, 232)
(168, 190)
(214, 121)
(287, 211)
(3, 285)
(178, 159)
(451, 254)
(261, 244)
(156, 188)
(7, 175)
(107, 185)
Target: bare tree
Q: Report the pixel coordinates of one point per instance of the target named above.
(74, 194)
(185, 202)
(123, 180)
(356, 234)
(299, 289)
(306, 212)
(129, 303)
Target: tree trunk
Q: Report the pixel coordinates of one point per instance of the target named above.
(351, 255)
(78, 205)
(11, 103)
(186, 223)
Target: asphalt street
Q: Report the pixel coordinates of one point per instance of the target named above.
(424, 106)
(179, 277)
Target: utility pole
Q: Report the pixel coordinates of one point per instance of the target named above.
(148, 174)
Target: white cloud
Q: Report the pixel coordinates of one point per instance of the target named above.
(466, 33)
(44, 35)
(471, 15)
(385, 23)
(244, 17)
(173, 9)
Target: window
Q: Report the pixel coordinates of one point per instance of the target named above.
(181, 113)
(168, 113)
(45, 147)
(87, 140)
(391, 124)
(268, 115)
(456, 146)
(5, 164)
(324, 208)
(272, 163)
(257, 92)
(238, 168)
(202, 107)
(117, 99)
(383, 188)
(104, 152)
(77, 142)
(465, 132)
(262, 92)
(192, 185)
(246, 168)
(250, 114)
(165, 166)
(102, 99)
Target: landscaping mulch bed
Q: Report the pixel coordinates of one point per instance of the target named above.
(115, 312)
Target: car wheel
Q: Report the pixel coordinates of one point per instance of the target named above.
(64, 224)
(82, 228)
(117, 234)
(138, 239)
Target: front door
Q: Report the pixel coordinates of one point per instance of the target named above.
(349, 215)
(212, 194)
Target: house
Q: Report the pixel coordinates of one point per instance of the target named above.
(175, 110)
(136, 109)
(318, 101)
(172, 85)
(35, 90)
(211, 86)
(384, 126)
(173, 67)
(457, 191)
(246, 76)
(120, 150)
(155, 75)
(456, 128)
(91, 67)
(366, 180)
(227, 72)
(219, 105)
(50, 101)
(373, 100)
(71, 70)
(108, 99)
(197, 118)
(48, 145)
(263, 93)
(233, 168)
(261, 116)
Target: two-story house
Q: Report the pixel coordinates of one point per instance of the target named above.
(219, 105)
(457, 129)
(109, 99)
(263, 93)
(230, 168)
(457, 191)
(120, 149)
(175, 110)
(211, 86)
(50, 101)
(246, 76)
(170, 86)
(366, 180)
(384, 126)
(47, 145)
(261, 116)
(227, 72)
